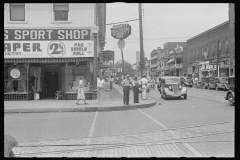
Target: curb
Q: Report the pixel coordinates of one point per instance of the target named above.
(84, 109)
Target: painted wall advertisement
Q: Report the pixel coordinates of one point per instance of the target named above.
(47, 43)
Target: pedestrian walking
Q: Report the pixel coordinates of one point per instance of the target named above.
(135, 90)
(101, 86)
(126, 89)
(81, 95)
(144, 82)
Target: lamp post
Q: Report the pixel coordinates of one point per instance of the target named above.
(94, 35)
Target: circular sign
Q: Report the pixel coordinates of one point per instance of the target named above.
(121, 43)
(15, 73)
(56, 49)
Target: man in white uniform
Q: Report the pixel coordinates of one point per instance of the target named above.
(101, 85)
(144, 82)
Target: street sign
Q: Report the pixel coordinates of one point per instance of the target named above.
(121, 43)
(121, 31)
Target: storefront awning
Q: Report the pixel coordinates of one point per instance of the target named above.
(48, 60)
(170, 60)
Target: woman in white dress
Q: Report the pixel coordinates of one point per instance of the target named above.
(81, 95)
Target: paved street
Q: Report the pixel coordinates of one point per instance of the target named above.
(201, 126)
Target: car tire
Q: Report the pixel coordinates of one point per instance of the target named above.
(11, 154)
(164, 96)
(230, 99)
(185, 96)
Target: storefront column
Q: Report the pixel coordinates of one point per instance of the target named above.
(95, 32)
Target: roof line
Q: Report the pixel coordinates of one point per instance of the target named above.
(208, 30)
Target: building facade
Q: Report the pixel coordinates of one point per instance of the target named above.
(204, 50)
(48, 46)
(172, 60)
(154, 63)
(232, 38)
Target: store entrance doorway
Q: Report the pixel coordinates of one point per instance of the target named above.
(51, 81)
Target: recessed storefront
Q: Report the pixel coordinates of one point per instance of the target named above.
(37, 68)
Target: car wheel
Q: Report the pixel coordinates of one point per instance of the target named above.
(230, 99)
(164, 96)
(185, 96)
(11, 154)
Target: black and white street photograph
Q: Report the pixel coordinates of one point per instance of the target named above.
(115, 80)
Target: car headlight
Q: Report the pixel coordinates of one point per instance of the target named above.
(170, 87)
(180, 87)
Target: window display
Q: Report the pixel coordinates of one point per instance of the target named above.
(15, 79)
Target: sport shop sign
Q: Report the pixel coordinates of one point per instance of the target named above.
(121, 31)
(47, 43)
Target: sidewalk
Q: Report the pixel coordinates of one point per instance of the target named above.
(115, 102)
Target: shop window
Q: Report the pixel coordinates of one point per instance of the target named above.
(60, 11)
(15, 79)
(17, 11)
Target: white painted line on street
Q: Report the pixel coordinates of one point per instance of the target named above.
(93, 125)
(192, 149)
(90, 134)
(160, 124)
(173, 133)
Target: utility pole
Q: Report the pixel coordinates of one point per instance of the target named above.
(142, 65)
(122, 63)
(218, 58)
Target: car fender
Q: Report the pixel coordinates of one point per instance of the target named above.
(9, 143)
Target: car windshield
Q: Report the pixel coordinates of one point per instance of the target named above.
(172, 80)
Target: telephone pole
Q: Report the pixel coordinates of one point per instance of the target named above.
(142, 65)
(218, 58)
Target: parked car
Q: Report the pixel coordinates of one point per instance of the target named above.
(230, 96)
(211, 83)
(171, 87)
(222, 83)
(186, 82)
(197, 84)
(9, 143)
(204, 82)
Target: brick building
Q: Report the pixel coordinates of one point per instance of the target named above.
(201, 54)
(171, 57)
(232, 37)
(47, 46)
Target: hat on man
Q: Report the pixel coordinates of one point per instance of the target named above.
(127, 75)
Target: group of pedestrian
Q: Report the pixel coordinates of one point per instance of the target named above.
(136, 84)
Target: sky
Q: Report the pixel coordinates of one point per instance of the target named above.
(162, 22)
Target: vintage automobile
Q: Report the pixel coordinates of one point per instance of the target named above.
(204, 82)
(197, 84)
(222, 83)
(230, 96)
(211, 83)
(186, 81)
(171, 87)
(9, 143)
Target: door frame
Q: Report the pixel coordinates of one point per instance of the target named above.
(46, 65)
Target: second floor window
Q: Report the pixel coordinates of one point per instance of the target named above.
(17, 11)
(60, 11)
